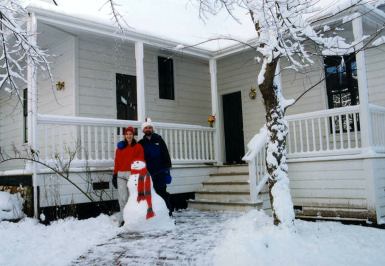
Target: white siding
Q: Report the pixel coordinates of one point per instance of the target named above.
(340, 185)
(239, 72)
(379, 188)
(375, 67)
(61, 48)
(100, 60)
(192, 104)
(189, 179)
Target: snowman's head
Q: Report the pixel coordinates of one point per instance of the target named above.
(138, 165)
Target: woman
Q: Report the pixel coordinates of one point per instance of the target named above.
(126, 152)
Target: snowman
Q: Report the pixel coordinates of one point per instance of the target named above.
(145, 209)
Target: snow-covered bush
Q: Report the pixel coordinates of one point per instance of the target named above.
(11, 206)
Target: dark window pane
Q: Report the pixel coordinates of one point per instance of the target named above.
(126, 97)
(166, 78)
(341, 85)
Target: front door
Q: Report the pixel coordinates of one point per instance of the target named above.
(126, 97)
(233, 125)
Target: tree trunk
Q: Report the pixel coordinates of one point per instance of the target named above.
(280, 198)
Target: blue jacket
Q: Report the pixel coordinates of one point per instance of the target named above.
(156, 154)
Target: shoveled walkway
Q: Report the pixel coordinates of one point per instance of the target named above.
(196, 233)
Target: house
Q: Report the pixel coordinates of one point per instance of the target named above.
(106, 80)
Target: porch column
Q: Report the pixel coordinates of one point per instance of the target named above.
(32, 108)
(140, 96)
(365, 120)
(215, 110)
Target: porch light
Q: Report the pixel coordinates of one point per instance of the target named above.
(253, 93)
(60, 85)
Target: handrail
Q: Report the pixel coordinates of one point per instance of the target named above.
(256, 159)
(90, 121)
(322, 113)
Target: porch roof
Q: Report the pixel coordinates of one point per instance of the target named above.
(195, 30)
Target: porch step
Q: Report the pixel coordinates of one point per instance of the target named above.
(227, 190)
(210, 205)
(223, 196)
(229, 177)
(225, 169)
(236, 186)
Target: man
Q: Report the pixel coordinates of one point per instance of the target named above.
(157, 160)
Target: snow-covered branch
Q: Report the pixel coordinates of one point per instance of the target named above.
(17, 48)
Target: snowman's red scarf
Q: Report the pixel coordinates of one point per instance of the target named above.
(144, 190)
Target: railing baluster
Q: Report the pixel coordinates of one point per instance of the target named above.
(202, 146)
(334, 133)
(180, 143)
(61, 150)
(45, 142)
(341, 131)
(52, 141)
(327, 132)
(295, 136)
(211, 146)
(82, 143)
(307, 136)
(313, 133)
(195, 144)
(288, 138)
(89, 143)
(96, 143)
(207, 146)
(355, 129)
(109, 143)
(103, 155)
(190, 154)
(185, 144)
(348, 129)
(300, 135)
(320, 134)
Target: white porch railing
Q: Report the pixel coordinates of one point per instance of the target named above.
(95, 139)
(256, 159)
(324, 132)
(377, 116)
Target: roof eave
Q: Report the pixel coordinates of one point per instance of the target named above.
(64, 20)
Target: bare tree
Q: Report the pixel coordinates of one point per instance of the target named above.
(18, 48)
(282, 31)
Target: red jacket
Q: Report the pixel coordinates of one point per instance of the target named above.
(125, 155)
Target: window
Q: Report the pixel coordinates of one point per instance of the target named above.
(342, 85)
(166, 78)
(341, 80)
(25, 115)
(126, 106)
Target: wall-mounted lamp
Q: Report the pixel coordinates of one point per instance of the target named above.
(60, 85)
(253, 93)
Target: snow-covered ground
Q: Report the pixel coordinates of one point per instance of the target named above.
(31, 243)
(199, 238)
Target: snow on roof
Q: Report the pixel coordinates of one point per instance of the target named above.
(176, 20)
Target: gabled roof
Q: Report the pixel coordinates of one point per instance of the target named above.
(169, 23)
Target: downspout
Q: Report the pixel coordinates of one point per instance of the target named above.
(32, 109)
